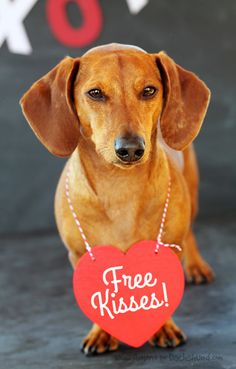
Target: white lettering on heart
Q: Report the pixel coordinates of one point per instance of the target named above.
(113, 305)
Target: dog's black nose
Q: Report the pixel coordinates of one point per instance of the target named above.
(129, 149)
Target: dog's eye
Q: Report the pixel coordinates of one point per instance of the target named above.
(149, 91)
(96, 94)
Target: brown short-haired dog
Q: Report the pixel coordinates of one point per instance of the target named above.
(123, 114)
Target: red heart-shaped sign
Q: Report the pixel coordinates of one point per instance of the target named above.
(129, 295)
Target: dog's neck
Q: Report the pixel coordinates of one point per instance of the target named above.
(100, 176)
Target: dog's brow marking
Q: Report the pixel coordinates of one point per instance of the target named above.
(122, 84)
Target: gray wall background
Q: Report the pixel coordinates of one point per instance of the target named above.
(199, 35)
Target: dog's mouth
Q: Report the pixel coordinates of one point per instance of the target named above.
(127, 164)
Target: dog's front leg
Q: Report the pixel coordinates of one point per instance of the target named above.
(97, 340)
(170, 335)
(197, 270)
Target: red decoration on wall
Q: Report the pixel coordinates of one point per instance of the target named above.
(65, 32)
(130, 295)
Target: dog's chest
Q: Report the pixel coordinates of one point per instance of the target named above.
(128, 217)
(131, 211)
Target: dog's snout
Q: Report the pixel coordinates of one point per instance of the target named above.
(129, 149)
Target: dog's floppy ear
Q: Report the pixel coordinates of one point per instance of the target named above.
(186, 99)
(48, 107)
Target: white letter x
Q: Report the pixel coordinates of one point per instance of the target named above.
(12, 29)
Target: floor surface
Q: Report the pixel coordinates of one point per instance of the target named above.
(41, 326)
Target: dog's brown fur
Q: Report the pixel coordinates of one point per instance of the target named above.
(120, 204)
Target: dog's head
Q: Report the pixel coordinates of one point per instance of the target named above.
(114, 95)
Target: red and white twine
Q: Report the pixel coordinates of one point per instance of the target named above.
(159, 236)
(87, 246)
(163, 219)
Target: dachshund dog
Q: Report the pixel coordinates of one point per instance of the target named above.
(127, 120)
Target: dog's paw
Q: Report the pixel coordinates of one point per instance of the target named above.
(199, 272)
(169, 336)
(98, 342)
